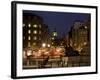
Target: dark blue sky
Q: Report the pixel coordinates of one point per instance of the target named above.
(62, 21)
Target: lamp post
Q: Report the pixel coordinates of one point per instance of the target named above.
(44, 45)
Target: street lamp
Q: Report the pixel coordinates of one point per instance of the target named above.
(28, 52)
(44, 45)
(48, 45)
(54, 33)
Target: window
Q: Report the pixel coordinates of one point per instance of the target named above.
(85, 43)
(35, 31)
(34, 43)
(23, 25)
(29, 25)
(40, 26)
(29, 31)
(39, 32)
(35, 26)
(29, 44)
(29, 38)
(52, 38)
(35, 38)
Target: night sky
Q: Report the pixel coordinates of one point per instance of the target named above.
(60, 21)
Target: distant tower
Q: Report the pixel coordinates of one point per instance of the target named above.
(54, 37)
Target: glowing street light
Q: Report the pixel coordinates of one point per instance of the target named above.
(54, 33)
(28, 52)
(58, 49)
(44, 45)
(48, 45)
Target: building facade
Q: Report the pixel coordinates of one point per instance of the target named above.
(79, 36)
(35, 32)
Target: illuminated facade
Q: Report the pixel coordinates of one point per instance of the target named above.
(34, 31)
(54, 35)
(80, 36)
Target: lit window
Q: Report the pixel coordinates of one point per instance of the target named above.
(29, 44)
(35, 25)
(40, 26)
(35, 32)
(52, 38)
(23, 25)
(48, 45)
(29, 25)
(44, 45)
(34, 43)
(29, 38)
(85, 27)
(35, 38)
(39, 32)
(29, 31)
(85, 43)
(29, 52)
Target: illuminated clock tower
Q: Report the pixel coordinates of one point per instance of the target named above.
(54, 37)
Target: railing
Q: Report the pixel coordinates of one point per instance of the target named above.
(72, 61)
(78, 61)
